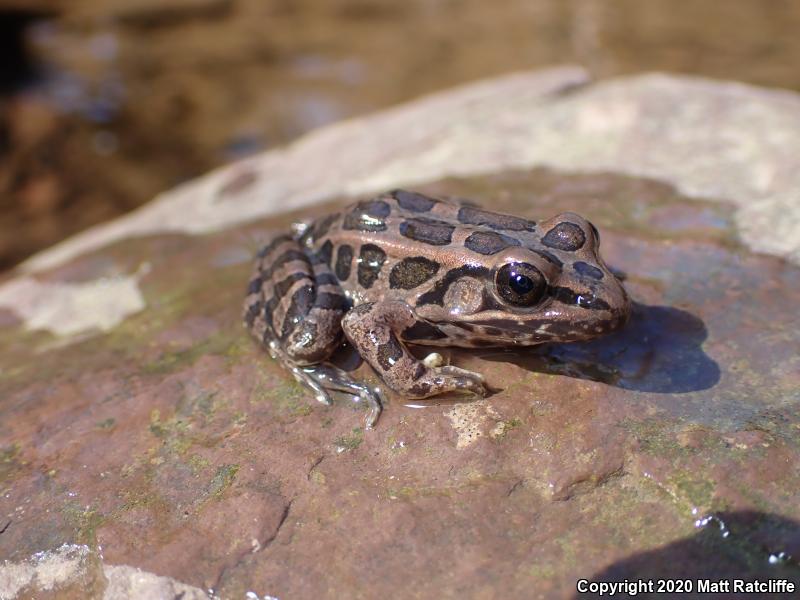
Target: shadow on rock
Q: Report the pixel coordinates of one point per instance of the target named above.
(659, 350)
(745, 545)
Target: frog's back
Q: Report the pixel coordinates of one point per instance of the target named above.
(401, 241)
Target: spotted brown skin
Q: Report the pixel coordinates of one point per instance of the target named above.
(407, 268)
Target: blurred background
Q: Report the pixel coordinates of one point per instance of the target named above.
(104, 104)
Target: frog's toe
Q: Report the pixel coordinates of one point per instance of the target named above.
(374, 402)
(309, 377)
(324, 398)
(465, 381)
(470, 384)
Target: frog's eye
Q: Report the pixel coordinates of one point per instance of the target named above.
(520, 284)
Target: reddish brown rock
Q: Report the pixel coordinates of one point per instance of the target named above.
(174, 445)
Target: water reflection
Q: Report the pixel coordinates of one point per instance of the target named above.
(659, 350)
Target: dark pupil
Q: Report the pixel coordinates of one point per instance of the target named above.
(520, 284)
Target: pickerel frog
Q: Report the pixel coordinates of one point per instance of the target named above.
(404, 268)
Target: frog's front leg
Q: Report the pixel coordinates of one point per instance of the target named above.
(375, 329)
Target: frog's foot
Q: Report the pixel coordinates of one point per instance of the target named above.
(309, 378)
(325, 378)
(372, 328)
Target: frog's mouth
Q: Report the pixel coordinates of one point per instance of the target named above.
(505, 331)
(565, 316)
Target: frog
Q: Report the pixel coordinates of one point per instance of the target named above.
(404, 268)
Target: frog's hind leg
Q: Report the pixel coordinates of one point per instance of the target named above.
(294, 303)
(294, 307)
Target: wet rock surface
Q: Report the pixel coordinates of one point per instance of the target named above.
(168, 442)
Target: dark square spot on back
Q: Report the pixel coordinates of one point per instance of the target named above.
(413, 201)
(371, 259)
(427, 231)
(344, 260)
(565, 236)
(367, 216)
(412, 272)
(488, 242)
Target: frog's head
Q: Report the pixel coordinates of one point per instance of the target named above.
(553, 286)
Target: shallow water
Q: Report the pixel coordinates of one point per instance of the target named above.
(111, 105)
